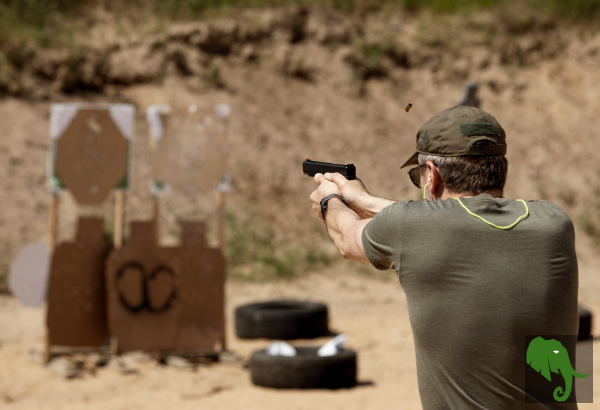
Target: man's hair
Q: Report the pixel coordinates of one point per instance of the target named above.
(473, 174)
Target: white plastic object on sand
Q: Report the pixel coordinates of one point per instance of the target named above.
(333, 347)
(278, 348)
(29, 272)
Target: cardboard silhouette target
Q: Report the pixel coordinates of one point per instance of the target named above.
(141, 296)
(202, 315)
(76, 313)
(192, 146)
(165, 298)
(90, 149)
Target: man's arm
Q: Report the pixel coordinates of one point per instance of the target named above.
(357, 196)
(372, 205)
(343, 224)
(345, 229)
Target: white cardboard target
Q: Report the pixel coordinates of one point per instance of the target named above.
(191, 146)
(29, 272)
(155, 122)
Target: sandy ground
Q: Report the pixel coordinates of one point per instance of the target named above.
(372, 311)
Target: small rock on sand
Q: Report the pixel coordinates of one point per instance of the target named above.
(178, 362)
(63, 367)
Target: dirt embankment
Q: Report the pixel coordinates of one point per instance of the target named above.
(312, 82)
(373, 46)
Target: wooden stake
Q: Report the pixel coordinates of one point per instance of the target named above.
(52, 217)
(47, 352)
(119, 205)
(220, 202)
(155, 207)
(52, 228)
(117, 243)
(114, 346)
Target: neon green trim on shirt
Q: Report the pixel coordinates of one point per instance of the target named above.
(496, 226)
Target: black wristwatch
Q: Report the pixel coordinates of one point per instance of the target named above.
(325, 200)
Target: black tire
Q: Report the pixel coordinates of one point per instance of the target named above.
(281, 319)
(306, 370)
(585, 323)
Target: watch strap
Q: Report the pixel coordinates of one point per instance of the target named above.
(326, 199)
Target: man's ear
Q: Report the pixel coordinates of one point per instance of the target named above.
(435, 180)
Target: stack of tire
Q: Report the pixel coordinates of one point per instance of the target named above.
(290, 320)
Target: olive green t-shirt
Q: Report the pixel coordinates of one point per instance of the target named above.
(475, 292)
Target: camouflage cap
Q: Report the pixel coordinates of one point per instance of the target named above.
(452, 133)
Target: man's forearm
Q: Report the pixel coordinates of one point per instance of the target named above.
(345, 230)
(357, 196)
(372, 205)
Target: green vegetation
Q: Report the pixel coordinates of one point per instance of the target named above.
(53, 22)
(214, 75)
(108, 230)
(252, 254)
(589, 221)
(373, 53)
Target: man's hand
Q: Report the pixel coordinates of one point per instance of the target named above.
(325, 188)
(353, 191)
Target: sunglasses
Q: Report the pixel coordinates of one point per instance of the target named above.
(415, 175)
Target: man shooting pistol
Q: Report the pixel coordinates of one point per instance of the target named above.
(480, 271)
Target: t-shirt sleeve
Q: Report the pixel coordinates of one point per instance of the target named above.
(381, 237)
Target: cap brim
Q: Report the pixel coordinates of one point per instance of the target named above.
(414, 160)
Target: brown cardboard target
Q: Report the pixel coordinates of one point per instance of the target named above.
(141, 295)
(192, 152)
(76, 295)
(202, 315)
(91, 156)
(165, 298)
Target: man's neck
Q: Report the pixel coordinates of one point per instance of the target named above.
(496, 193)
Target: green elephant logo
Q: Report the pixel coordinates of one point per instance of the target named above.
(545, 356)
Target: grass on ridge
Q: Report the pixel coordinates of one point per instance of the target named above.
(49, 22)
